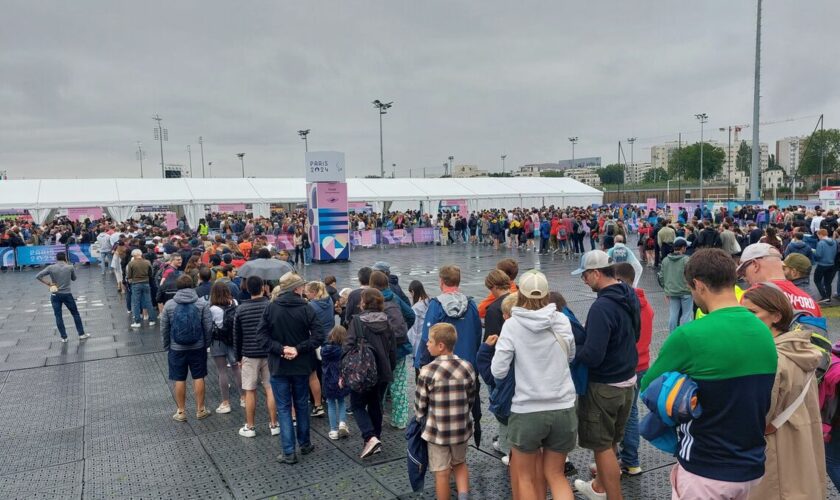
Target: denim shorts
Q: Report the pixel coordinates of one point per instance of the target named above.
(194, 360)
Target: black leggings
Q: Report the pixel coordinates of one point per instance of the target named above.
(298, 254)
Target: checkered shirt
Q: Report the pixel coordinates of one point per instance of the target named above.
(446, 390)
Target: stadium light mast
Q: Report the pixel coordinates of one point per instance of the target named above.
(241, 157)
(573, 140)
(161, 134)
(756, 146)
(703, 118)
(303, 134)
(383, 109)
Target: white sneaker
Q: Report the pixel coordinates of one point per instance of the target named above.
(135, 325)
(275, 430)
(343, 431)
(585, 489)
(85, 336)
(242, 403)
(64, 340)
(151, 323)
(223, 408)
(247, 432)
(333, 435)
(496, 446)
(506, 460)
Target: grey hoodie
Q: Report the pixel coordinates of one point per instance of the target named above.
(543, 379)
(185, 296)
(454, 304)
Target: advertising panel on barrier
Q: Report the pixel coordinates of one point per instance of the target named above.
(363, 238)
(81, 254)
(281, 241)
(424, 235)
(396, 237)
(38, 255)
(7, 257)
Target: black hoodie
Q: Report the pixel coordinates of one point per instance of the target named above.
(289, 321)
(611, 333)
(380, 338)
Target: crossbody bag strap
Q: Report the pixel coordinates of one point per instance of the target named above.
(785, 415)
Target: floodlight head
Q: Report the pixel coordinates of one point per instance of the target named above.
(240, 155)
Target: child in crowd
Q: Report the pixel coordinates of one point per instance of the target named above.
(446, 390)
(333, 392)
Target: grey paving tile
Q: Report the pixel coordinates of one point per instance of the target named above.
(60, 481)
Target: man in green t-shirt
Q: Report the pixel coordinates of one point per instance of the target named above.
(731, 356)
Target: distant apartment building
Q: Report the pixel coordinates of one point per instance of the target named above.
(467, 171)
(585, 162)
(661, 154)
(789, 152)
(588, 176)
(773, 179)
(635, 173)
(534, 169)
(730, 162)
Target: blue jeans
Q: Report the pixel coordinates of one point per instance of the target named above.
(629, 454)
(832, 458)
(287, 390)
(680, 311)
(337, 412)
(141, 298)
(105, 261)
(57, 299)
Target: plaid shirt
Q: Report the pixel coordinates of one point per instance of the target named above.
(446, 390)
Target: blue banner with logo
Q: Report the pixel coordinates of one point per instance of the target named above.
(38, 255)
(7, 257)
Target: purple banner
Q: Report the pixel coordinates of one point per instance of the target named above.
(396, 237)
(424, 235)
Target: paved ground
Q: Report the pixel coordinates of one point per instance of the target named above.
(91, 419)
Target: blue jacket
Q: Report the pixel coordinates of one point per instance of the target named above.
(325, 313)
(406, 310)
(796, 246)
(659, 426)
(826, 252)
(501, 389)
(545, 229)
(417, 454)
(331, 365)
(462, 313)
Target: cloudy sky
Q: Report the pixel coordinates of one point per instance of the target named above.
(79, 85)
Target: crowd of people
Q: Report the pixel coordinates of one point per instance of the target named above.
(744, 332)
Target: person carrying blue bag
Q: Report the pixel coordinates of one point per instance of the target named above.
(672, 401)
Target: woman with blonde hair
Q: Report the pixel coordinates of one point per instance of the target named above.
(795, 464)
(322, 304)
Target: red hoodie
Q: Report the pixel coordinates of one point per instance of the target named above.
(643, 345)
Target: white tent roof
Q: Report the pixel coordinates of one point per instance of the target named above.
(66, 193)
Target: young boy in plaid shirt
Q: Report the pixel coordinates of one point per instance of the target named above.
(445, 394)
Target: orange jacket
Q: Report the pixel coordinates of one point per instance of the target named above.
(482, 307)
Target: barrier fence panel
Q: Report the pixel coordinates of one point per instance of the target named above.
(396, 237)
(7, 257)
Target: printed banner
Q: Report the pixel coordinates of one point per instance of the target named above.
(281, 241)
(363, 238)
(38, 255)
(232, 207)
(424, 235)
(396, 237)
(327, 211)
(81, 254)
(80, 214)
(7, 257)
(170, 221)
(651, 203)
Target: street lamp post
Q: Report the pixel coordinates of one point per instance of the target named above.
(201, 144)
(449, 168)
(574, 141)
(503, 163)
(393, 170)
(189, 154)
(210, 166)
(383, 109)
(703, 118)
(241, 157)
(303, 134)
(729, 163)
(140, 155)
(161, 134)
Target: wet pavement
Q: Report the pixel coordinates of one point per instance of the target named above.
(92, 418)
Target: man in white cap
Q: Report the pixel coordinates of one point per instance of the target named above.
(761, 262)
(613, 326)
(622, 253)
(290, 332)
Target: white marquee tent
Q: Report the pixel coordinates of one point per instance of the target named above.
(121, 197)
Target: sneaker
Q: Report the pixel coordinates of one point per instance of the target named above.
(825, 301)
(274, 429)
(180, 416)
(135, 325)
(242, 403)
(343, 431)
(630, 471)
(63, 340)
(287, 459)
(496, 446)
(333, 435)
(84, 336)
(585, 489)
(247, 432)
(151, 323)
(569, 469)
(506, 460)
(223, 408)
(370, 447)
(317, 411)
(306, 450)
(203, 413)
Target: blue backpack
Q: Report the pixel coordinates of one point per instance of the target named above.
(186, 325)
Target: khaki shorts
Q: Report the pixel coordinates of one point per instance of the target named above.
(444, 457)
(602, 415)
(554, 430)
(254, 371)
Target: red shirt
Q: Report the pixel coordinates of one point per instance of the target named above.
(798, 299)
(643, 345)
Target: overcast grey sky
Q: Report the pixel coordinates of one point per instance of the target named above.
(79, 81)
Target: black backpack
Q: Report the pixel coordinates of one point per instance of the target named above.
(224, 333)
(358, 365)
